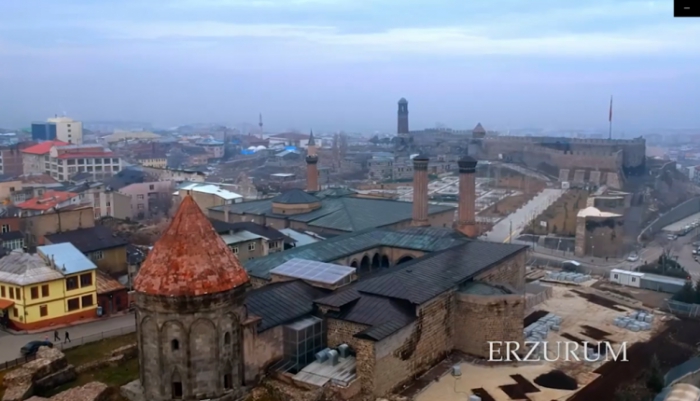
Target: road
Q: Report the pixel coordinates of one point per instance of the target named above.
(512, 225)
(88, 332)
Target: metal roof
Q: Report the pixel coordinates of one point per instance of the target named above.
(299, 238)
(212, 189)
(426, 239)
(283, 302)
(67, 258)
(343, 213)
(326, 273)
(22, 269)
(240, 236)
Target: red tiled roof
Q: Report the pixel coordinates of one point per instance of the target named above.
(43, 148)
(46, 201)
(78, 155)
(190, 259)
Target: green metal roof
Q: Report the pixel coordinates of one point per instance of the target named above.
(343, 213)
(426, 239)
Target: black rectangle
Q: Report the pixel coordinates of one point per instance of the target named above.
(686, 8)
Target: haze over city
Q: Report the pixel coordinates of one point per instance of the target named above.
(342, 64)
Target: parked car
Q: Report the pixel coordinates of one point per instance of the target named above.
(32, 347)
(672, 237)
(633, 257)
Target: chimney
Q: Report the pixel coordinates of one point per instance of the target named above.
(311, 165)
(420, 191)
(466, 212)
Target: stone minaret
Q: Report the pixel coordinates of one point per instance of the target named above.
(189, 312)
(466, 212)
(311, 165)
(420, 191)
(402, 126)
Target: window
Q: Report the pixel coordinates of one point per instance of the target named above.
(251, 246)
(34, 291)
(45, 290)
(74, 304)
(2, 291)
(227, 338)
(151, 187)
(235, 250)
(174, 345)
(227, 381)
(177, 390)
(634, 279)
(139, 206)
(87, 301)
(18, 294)
(43, 310)
(99, 255)
(615, 276)
(139, 196)
(6, 228)
(71, 283)
(15, 312)
(86, 280)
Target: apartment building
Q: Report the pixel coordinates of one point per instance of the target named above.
(35, 158)
(11, 163)
(62, 161)
(58, 128)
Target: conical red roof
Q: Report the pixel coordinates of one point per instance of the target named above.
(189, 259)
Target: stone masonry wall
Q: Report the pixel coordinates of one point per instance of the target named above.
(341, 332)
(511, 272)
(416, 348)
(479, 319)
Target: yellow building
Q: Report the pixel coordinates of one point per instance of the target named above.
(155, 162)
(55, 286)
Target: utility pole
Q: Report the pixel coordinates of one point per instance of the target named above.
(510, 236)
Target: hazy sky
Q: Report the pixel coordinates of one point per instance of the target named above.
(343, 64)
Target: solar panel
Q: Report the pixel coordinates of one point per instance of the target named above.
(327, 273)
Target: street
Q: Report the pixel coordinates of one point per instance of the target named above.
(512, 225)
(88, 332)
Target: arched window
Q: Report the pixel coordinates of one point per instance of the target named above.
(174, 345)
(227, 338)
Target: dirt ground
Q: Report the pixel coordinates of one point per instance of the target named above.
(506, 206)
(650, 299)
(584, 318)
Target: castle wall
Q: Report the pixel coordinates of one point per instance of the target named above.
(260, 350)
(510, 272)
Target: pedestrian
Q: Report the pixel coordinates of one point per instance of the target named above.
(56, 336)
(67, 339)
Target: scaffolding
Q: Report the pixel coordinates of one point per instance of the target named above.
(302, 340)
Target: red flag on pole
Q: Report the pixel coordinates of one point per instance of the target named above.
(610, 115)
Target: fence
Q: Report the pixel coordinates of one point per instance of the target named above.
(683, 309)
(75, 342)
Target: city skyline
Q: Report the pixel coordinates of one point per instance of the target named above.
(337, 64)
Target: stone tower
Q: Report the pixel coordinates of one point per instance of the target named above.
(402, 127)
(189, 309)
(311, 165)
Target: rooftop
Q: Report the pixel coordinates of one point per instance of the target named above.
(240, 236)
(426, 239)
(283, 302)
(211, 189)
(338, 212)
(22, 269)
(89, 239)
(66, 257)
(295, 197)
(327, 273)
(295, 136)
(47, 201)
(106, 284)
(189, 259)
(43, 147)
(595, 212)
(270, 233)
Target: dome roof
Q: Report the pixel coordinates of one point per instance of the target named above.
(403, 101)
(189, 259)
(295, 197)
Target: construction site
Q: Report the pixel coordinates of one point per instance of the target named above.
(579, 314)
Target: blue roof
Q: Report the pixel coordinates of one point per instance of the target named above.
(67, 258)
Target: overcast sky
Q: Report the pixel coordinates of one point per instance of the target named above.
(343, 64)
